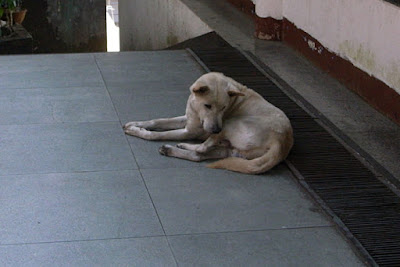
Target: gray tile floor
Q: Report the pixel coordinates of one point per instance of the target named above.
(75, 191)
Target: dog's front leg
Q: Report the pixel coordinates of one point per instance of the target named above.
(173, 151)
(179, 134)
(159, 124)
(206, 146)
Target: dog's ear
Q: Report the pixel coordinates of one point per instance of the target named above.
(235, 93)
(233, 89)
(200, 90)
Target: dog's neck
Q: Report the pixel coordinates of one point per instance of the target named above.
(235, 102)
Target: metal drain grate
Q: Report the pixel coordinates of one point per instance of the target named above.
(365, 208)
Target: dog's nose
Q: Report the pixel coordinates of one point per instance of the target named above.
(216, 129)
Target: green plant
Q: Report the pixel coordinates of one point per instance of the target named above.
(8, 7)
(9, 4)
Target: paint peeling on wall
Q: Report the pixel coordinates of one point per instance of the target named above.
(313, 46)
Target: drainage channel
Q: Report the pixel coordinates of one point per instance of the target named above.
(364, 208)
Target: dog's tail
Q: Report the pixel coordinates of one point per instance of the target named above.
(254, 166)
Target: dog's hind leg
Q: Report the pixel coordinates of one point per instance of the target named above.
(164, 124)
(173, 151)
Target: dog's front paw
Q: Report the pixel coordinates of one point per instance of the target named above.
(201, 149)
(186, 146)
(131, 124)
(182, 146)
(165, 150)
(135, 131)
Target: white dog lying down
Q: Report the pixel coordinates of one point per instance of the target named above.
(237, 125)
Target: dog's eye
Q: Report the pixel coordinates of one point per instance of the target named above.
(207, 106)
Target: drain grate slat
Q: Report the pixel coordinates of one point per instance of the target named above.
(368, 211)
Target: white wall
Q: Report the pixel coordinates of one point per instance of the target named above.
(157, 24)
(365, 32)
(269, 8)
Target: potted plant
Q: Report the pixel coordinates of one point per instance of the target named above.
(19, 12)
(13, 11)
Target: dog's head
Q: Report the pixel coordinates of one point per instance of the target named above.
(213, 93)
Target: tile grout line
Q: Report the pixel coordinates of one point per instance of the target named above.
(95, 171)
(137, 164)
(166, 236)
(158, 216)
(65, 172)
(255, 230)
(105, 86)
(52, 87)
(53, 123)
(77, 240)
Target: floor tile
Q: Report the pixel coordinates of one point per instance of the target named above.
(133, 67)
(75, 206)
(202, 200)
(152, 88)
(300, 247)
(139, 107)
(137, 59)
(51, 79)
(68, 147)
(53, 105)
(50, 71)
(153, 251)
(123, 77)
(57, 62)
(147, 155)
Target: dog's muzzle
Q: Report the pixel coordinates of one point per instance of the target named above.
(216, 129)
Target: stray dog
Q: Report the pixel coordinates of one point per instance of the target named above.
(237, 125)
